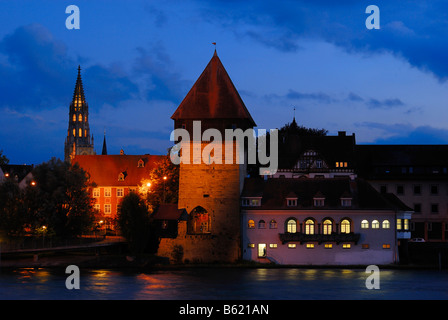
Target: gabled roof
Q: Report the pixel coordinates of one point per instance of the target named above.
(329, 148)
(104, 169)
(213, 96)
(16, 170)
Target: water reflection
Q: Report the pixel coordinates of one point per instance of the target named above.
(216, 283)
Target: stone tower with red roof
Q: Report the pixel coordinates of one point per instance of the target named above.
(210, 192)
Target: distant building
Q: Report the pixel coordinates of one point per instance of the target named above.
(22, 174)
(314, 156)
(418, 176)
(78, 140)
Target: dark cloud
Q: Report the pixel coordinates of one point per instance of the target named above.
(384, 104)
(412, 30)
(401, 133)
(317, 96)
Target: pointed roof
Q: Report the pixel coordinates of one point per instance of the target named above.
(213, 96)
(104, 151)
(78, 94)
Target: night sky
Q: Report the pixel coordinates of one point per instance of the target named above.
(140, 58)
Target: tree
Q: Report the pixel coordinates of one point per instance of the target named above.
(65, 206)
(3, 159)
(13, 210)
(162, 185)
(133, 220)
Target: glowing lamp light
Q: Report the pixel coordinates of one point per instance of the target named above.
(164, 178)
(33, 183)
(148, 184)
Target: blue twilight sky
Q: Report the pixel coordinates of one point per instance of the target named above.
(140, 58)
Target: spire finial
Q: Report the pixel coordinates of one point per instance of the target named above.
(215, 54)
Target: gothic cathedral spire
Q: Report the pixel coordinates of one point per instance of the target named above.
(78, 139)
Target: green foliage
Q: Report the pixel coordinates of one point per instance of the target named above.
(134, 223)
(13, 209)
(164, 188)
(3, 159)
(65, 205)
(57, 203)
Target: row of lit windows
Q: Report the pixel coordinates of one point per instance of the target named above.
(79, 118)
(263, 253)
(107, 192)
(79, 132)
(328, 225)
(107, 208)
(309, 225)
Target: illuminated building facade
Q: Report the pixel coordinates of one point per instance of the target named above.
(321, 221)
(114, 176)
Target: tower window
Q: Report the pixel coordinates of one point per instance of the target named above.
(80, 132)
(74, 132)
(80, 117)
(74, 117)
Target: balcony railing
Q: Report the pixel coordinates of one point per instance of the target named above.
(335, 237)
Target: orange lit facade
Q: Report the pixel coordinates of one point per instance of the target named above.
(114, 176)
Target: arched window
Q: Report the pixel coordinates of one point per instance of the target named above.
(345, 226)
(198, 221)
(261, 224)
(364, 224)
(80, 118)
(327, 226)
(375, 224)
(273, 224)
(309, 226)
(74, 117)
(74, 132)
(291, 226)
(251, 224)
(80, 132)
(386, 224)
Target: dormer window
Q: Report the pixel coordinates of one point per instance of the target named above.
(140, 163)
(319, 202)
(346, 202)
(121, 176)
(251, 202)
(291, 202)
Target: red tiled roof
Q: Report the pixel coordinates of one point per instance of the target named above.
(168, 212)
(276, 190)
(213, 96)
(105, 169)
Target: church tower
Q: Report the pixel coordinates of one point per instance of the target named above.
(210, 192)
(78, 141)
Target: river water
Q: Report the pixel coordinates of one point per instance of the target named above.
(224, 284)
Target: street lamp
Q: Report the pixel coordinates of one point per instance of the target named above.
(164, 179)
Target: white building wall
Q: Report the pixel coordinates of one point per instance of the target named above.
(320, 255)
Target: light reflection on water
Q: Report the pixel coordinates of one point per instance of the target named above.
(224, 283)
